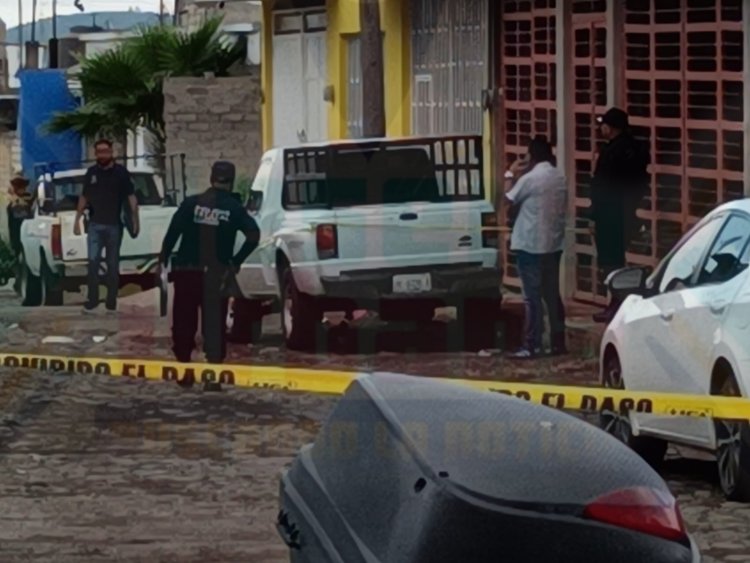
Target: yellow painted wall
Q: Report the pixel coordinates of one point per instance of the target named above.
(343, 22)
(266, 76)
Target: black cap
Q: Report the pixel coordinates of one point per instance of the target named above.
(222, 172)
(616, 118)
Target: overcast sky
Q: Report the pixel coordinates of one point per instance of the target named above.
(9, 8)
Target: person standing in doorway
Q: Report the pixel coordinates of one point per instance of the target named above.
(619, 183)
(206, 226)
(539, 203)
(107, 187)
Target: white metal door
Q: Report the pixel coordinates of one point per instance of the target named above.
(288, 92)
(315, 76)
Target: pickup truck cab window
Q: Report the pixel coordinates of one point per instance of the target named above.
(65, 191)
(260, 186)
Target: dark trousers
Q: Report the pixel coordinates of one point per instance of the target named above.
(195, 293)
(540, 278)
(107, 238)
(14, 228)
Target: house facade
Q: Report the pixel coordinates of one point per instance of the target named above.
(312, 80)
(509, 70)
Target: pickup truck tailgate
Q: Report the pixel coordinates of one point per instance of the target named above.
(409, 230)
(154, 223)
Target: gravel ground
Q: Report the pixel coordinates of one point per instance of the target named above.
(107, 469)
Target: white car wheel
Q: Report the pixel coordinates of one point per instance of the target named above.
(733, 450)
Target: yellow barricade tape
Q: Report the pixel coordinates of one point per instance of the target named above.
(586, 399)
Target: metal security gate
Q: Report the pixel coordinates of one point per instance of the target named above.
(449, 65)
(588, 99)
(528, 75)
(683, 90)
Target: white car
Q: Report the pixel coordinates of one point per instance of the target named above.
(685, 328)
(389, 225)
(54, 259)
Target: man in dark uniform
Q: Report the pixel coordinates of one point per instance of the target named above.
(619, 184)
(205, 263)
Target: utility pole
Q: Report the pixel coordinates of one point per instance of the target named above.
(32, 49)
(54, 19)
(373, 87)
(21, 46)
(33, 21)
(54, 46)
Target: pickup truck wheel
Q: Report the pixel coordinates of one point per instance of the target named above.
(53, 292)
(32, 291)
(247, 325)
(300, 315)
(478, 323)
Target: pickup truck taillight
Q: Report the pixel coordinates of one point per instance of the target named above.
(326, 240)
(57, 252)
(490, 236)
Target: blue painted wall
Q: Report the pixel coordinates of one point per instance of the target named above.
(44, 93)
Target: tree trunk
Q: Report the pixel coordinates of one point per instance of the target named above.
(373, 88)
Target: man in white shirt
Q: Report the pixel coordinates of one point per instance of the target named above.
(539, 199)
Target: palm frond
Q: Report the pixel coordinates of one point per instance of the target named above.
(122, 87)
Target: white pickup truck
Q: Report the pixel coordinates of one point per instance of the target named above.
(54, 260)
(397, 226)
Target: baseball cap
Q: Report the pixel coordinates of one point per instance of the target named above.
(615, 117)
(222, 171)
(18, 179)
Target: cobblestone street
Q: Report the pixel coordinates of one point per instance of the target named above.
(101, 469)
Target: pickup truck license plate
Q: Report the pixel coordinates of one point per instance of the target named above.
(412, 283)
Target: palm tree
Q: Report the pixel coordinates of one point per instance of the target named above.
(122, 87)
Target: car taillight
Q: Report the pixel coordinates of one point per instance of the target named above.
(490, 233)
(326, 239)
(641, 509)
(56, 243)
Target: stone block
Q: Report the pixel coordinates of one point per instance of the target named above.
(233, 117)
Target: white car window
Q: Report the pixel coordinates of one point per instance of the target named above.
(723, 261)
(745, 258)
(681, 266)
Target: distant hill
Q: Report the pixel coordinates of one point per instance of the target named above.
(106, 20)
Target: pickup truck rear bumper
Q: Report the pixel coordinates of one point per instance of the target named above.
(449, 283)
(131, 271)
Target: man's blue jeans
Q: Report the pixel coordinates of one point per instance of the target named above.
(540, 278)
(107, 238)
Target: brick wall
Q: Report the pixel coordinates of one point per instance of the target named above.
(10, 161)
(212, 119)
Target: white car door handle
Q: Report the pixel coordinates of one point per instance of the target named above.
(667, 315)
(718, 307)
